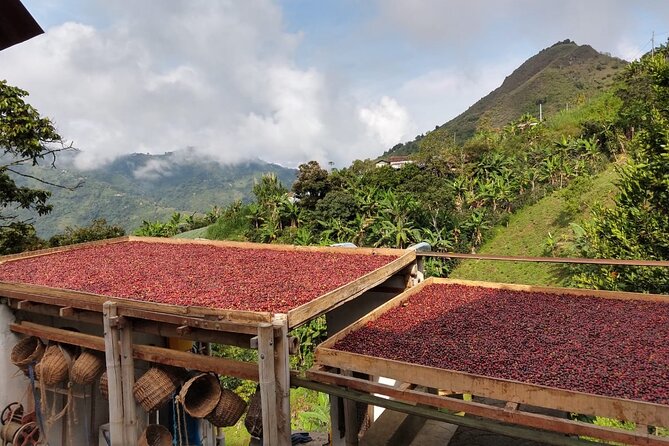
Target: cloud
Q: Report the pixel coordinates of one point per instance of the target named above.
(463, 27)
(386, 121)
(219, 76)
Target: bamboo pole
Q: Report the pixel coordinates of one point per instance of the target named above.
(113, 361)
(282, 373)
(267, 384)
(128, 375)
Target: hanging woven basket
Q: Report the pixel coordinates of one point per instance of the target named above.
(155, 435)
(26, 351)
(104, 385)
(253, 421)
(86, 367)
(154, 388)
(228, 411)
(53, 367)
(200, 395)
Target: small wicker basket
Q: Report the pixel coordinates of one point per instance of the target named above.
(155, 435)
(200, 395)
(253, 421)
(104, 385)
(86, 368)
(53, 368)
(26, 351)
(154, 388)
(228, 411)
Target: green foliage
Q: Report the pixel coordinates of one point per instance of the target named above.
(97, 230)
(26, 138)
(175, 225)
(638, 226)
(311, 184)
(309, 336)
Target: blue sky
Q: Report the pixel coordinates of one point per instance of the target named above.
(291, 80)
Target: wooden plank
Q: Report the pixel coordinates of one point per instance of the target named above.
(47, 251)
(194, 323)
(282, 379)
(543, 437)
(128, 375)
(505, 390)
(577, 260)
(93, 302)
(533, 420)
(272, 247)
(222, 366)
(54, 311)
(267, 385)
(349, 291)
(113, 360)
(618, 295)
(195, 334)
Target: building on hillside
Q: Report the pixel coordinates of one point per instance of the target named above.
(396, 162)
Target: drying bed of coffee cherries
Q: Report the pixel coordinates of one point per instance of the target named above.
(196, 274)
(609, 347)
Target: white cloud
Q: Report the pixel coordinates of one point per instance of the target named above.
(386, 121)
(218, 76)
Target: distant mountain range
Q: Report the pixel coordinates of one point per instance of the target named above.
(141, 187)
(562, 74)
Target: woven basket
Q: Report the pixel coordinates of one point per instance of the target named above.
(86, 368)
(228, 411)
(253, 421)
(26, 351)
(53, 367)
(200, 395)
(104, 385)
(155, 435)
(154, 388)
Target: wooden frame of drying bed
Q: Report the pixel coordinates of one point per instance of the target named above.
(329, 360)
(121, 316)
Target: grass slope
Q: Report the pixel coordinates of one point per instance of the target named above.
(528, 230)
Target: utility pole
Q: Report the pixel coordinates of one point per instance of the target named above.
(541, 113)
(652, 44)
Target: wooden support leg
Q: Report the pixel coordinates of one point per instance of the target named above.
(267, 384)
(128, 375)
(113, 361)
(350, 418)
(282, 372)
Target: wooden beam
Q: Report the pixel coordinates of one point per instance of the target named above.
(196, 334)
(532, 420)
(160, 355)
(128, 374)
(350, 418)
(577, 260)
(501, 389)
(267, 385)
(113, 360)
(543, 437)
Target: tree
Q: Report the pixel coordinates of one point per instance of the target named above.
(311, 185)
(98, 230)
(638, 226)
(26, 138)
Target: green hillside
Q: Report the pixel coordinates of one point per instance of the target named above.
(535, 229)
(140, 187)
(563, 75)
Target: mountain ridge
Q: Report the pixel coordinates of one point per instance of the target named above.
(562, 73)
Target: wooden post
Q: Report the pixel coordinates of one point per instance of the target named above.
(267, 384)
(282, 373)
(128, 377)
(350, 418)
(113, 361)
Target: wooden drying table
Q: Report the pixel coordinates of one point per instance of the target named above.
(120, 316)
(336, 361)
